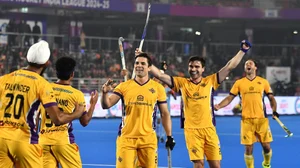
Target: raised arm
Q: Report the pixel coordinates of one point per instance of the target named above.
(227, 100)
(231, 64)
(60, 118)
(161, 76)
(108, 101)
(86, 118)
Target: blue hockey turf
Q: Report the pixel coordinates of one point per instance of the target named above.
(97, 144)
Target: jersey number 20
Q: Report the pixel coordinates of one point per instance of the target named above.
(18, 105)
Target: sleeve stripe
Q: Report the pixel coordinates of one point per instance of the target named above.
(232, 94)
(161, 102)
(269, 93)
(84, 113)
(172, 81)
(50, 104)
(117, 93)
(217, 74)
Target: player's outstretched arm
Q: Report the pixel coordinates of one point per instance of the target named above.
(165, 78)
(108, 101)
(224, 102)
(157, 72)
(85, 119)
(167, 124)
(59, 118)
(231, 64)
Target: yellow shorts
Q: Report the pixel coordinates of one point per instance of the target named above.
(203, 141)
(144, 148)
(66, 155)
(21, 154)
(255, 129)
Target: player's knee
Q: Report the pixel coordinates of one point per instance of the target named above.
(198, 163)
(214, 163)
(248, 149)
(266, 147)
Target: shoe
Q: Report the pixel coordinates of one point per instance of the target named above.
(265, 166)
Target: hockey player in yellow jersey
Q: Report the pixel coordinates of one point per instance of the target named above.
(21, 94)
(198, 116)
(59, 147)
(254, 123)
(137, 137)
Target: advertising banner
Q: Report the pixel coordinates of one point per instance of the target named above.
(278, 74)
(113, 5)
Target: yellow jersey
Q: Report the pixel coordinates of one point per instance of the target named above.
(21, 94)
(252, 94)
(197, 100)
(66, 98)
(138, 103)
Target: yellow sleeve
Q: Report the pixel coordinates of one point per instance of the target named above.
(161, 96)
(119, 90)
(235, 89)
(215, 81)
(177, 83)
(47, 94)
(267, 88)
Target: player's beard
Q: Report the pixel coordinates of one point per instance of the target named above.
(139, 72)
(43, 70)
(194, 75)
(249, 71)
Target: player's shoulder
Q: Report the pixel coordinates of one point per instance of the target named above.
(209, 77)
(33, 76)
(261, 79)
(180, 79)
(64, 88)
(154, 82)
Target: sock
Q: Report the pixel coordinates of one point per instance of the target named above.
(249, 160)
(267, 157)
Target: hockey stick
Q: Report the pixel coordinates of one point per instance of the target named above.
(121, 39)
(144, 34)
(169, 158)
(289, 133)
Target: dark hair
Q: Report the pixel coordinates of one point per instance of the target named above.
(35, 65)
(196, 58)
(65, 67)
(145, 55)
(255, 62)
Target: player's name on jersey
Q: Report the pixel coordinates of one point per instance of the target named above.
(17, 87)
(62, 102)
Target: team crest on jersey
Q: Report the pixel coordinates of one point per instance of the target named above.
(140, 98)
(152, 90)
(120, 159)
(196, 94)
(202, 84)
(194, 150)
(251, 88)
